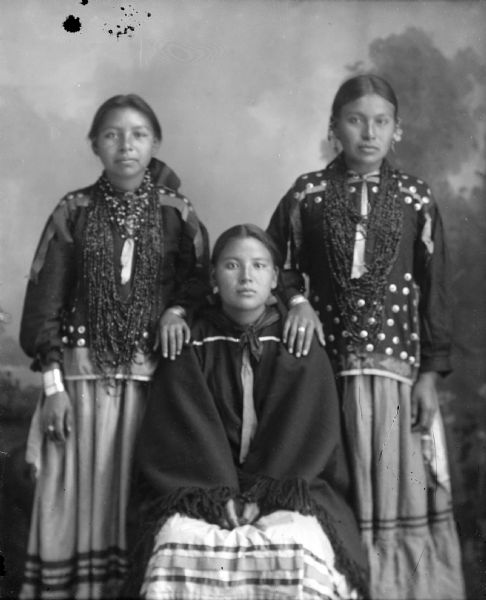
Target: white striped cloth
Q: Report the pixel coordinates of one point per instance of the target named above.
(284, 555)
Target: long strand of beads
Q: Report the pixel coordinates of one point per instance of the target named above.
(116, 327)
(361, 300)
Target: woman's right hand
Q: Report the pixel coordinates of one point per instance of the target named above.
(299, 327)
(230, 520)
(56, 416)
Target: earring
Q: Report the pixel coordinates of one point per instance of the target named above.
(215, 289)
(332, 139)
(397, 134)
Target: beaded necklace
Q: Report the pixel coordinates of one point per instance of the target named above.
(127, 208)
(116, 326)
(361, 300)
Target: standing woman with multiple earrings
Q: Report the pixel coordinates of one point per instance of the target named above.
(117, 265)
(370, 240)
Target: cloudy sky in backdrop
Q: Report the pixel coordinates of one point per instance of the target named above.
(242, 89)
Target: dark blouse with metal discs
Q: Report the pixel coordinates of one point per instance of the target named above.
(408, 329)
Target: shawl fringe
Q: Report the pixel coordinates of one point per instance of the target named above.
(209, 504)
(199, 503)
(295, 494)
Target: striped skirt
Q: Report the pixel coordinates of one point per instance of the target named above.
(284, 555)
(77, 545)
(402, 491)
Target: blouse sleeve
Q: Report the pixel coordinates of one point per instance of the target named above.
(192, 267)
(51, 278)
(432, 275)
(285, 230)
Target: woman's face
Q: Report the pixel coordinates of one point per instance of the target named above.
(245, 275)
(125, 144)
(365, 128)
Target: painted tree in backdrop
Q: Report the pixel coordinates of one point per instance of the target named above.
(443, 109)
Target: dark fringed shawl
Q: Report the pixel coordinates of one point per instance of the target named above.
(189, 442)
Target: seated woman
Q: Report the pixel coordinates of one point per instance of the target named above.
(240, 454)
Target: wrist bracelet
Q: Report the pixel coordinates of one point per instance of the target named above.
(297, 299)
(179, 311)
(52, 382)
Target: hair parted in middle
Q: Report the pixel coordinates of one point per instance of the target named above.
(356, 87)
(133, 101)
(361, 85)
(246, 230)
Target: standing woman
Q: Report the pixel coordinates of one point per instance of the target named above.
(370, 239)
(117, 265)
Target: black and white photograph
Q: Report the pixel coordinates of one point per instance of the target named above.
(243, 299)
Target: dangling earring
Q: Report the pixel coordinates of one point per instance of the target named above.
(332, 139)
(215, 290)
(397, 134)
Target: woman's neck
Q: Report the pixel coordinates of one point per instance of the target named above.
(362, 169)
(121, 185)
(243, 318)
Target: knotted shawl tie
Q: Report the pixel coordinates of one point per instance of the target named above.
(251, 346)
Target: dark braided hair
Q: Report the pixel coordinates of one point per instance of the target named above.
(361, 300)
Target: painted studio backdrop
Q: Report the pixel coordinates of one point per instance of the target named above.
(243, 91)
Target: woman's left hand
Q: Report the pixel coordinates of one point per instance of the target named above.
(250, 514)
(425, 401)
(300, 326)
(173, 333)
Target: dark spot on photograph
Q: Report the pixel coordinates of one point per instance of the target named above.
(72, 24)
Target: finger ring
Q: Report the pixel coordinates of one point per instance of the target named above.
(51, 428)
(300, 328)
